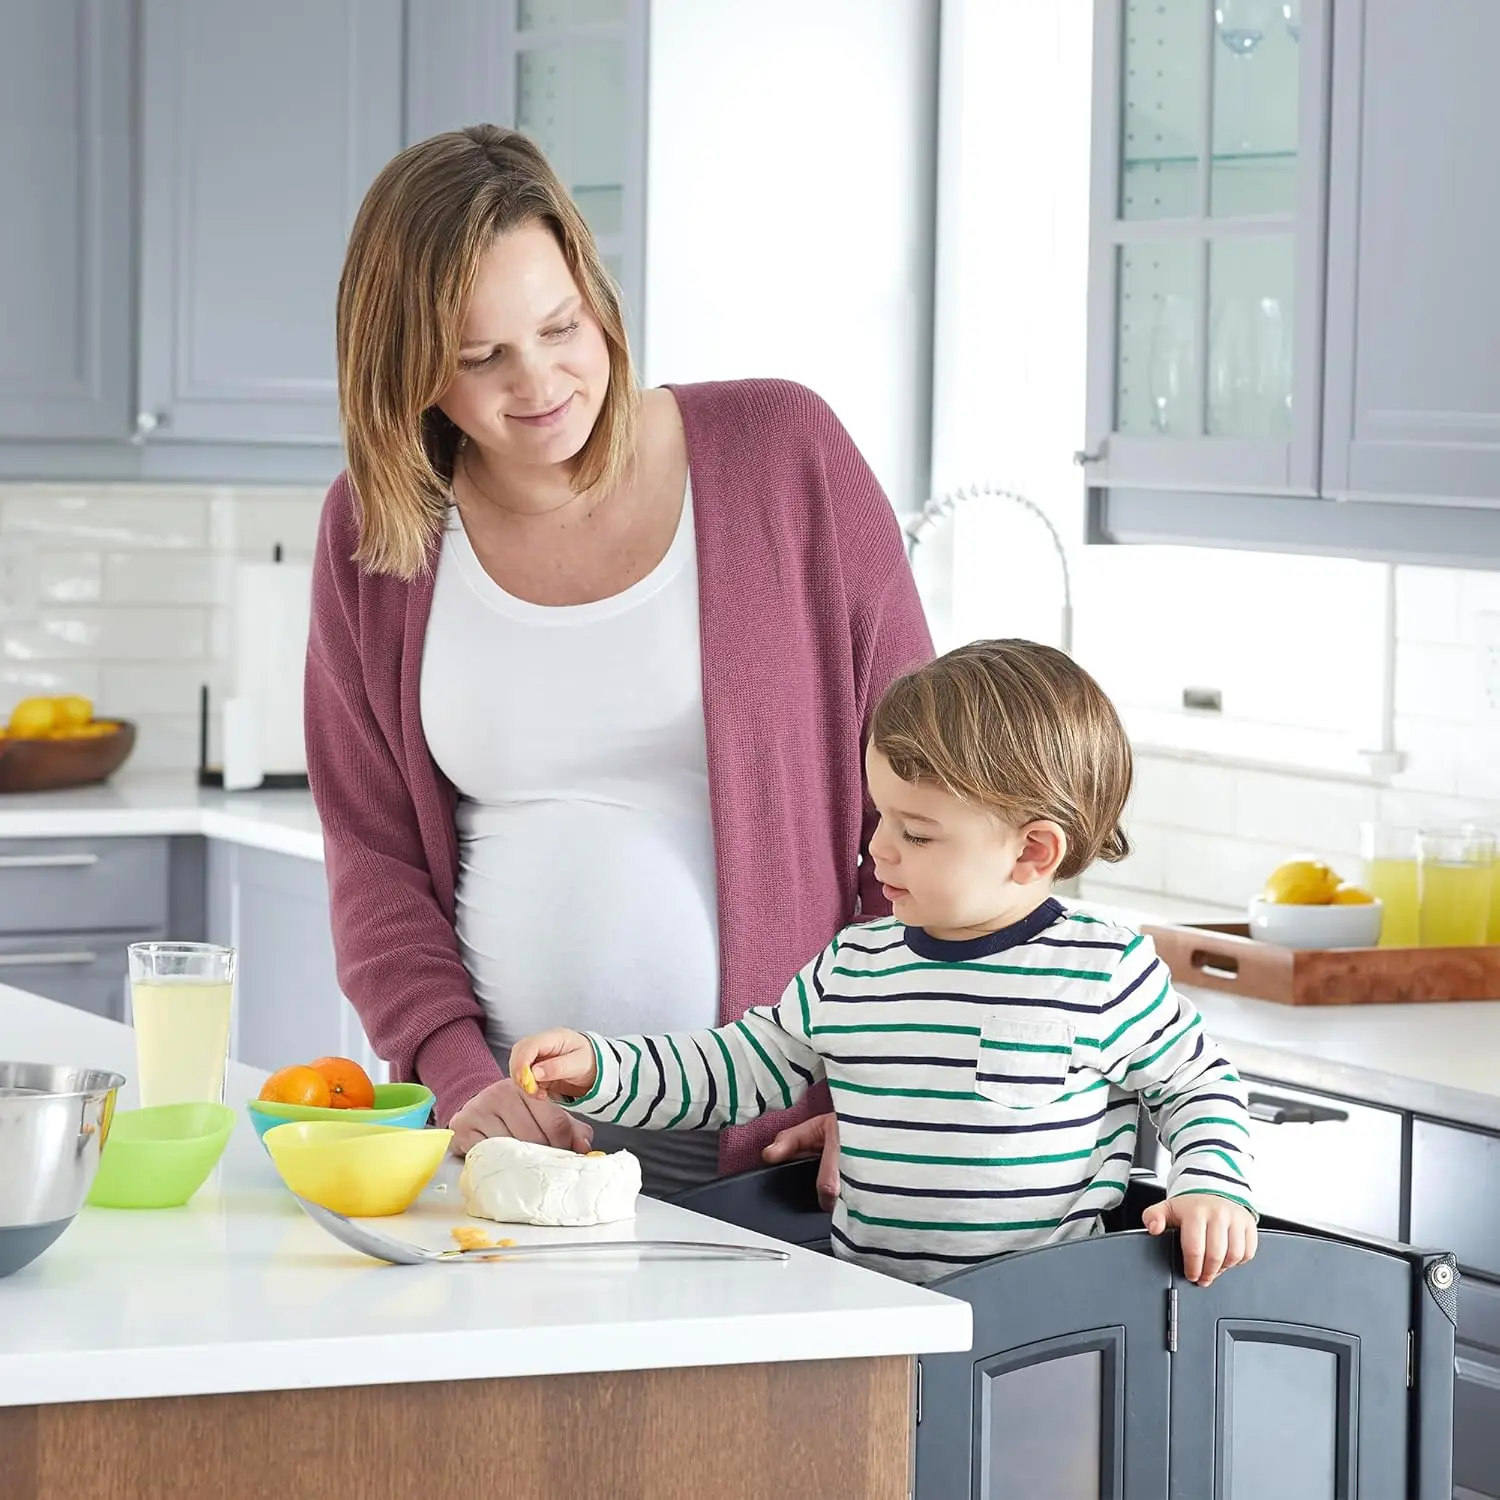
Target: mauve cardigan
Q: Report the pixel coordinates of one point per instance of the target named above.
(807, 611)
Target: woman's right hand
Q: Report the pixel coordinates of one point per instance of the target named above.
(503, 1109)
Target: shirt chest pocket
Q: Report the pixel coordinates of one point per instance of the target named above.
(1023, 1064)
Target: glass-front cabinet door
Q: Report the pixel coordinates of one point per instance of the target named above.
(1207, 245)
(580, 94)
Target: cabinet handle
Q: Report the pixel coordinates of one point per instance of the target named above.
(47, 960)
(47, 861)
(147, 422)
(1083, 457)
(1270, 1110)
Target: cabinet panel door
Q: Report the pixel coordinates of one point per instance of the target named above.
(1413, 385)
(262, 127)
(86, 970)
(1064, 1393)
(1290, 1377)
(1476, 1394)
(1453, 1206)
(66, 162)
(1318, 1159)
(1206, 250)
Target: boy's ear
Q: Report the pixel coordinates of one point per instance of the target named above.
(1044, 846)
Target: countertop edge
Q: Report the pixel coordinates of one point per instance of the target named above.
(944, 1326)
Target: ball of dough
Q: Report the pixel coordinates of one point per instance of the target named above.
(521, 1182)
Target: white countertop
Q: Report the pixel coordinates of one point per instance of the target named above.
(281, 822)
(240, 1291)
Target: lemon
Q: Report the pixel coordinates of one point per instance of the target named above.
(72, 712)
(1301, 882)
(1349, 894)
(33, 718)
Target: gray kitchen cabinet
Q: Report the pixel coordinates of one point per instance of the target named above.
(1369, 315)
(572, 75)
(1319, 1159)
(262, 126)
(87, 970)
(1476, 1394)
(1453, 1202)
(273, 908)
(66, 158)
(1207, 246)
(1413, 389)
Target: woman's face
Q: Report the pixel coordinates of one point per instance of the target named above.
(533, 363)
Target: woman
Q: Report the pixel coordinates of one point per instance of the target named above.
(589, 665)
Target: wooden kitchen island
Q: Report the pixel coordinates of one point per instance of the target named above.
(231, 1348)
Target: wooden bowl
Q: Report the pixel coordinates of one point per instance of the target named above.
(54, 765)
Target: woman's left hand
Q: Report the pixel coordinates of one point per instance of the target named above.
(818, 1136)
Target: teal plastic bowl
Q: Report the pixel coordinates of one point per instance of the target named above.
(158, 1158)
(408, 1105)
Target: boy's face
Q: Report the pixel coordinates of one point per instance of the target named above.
(949, 867)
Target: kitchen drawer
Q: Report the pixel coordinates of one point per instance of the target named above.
(1322, 1160)
(1476, 1393)
(83, 885)
(1453, 1201)
(85, 970)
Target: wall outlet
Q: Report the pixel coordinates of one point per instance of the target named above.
(1489, 665)
(19, 566)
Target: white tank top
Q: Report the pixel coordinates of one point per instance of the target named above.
(574, 736)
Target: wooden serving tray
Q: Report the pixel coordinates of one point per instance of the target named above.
(1223, 956)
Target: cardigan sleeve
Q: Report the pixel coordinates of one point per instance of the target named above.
(397, 953)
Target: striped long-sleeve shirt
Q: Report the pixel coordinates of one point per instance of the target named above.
(985, 1090)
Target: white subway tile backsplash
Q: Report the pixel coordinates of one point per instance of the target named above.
(158, 687)
(252, 523)
(111, 517)
(1428, 605)
(181, 578)
(1438, 682)
(1184, 793)
(1214, 868)
(165, 742)
(69, 578)
(107, 634)
(1297, 811)
(46, 680)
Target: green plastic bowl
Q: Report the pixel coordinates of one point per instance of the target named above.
(158, 1158)
(405, 1104)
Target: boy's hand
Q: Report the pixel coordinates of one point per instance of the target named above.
(1216, 1232)
(558, 1064)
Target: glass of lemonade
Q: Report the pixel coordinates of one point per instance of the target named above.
(181, 995)
(1453, 887)
(1390, 856)
(1493, 934)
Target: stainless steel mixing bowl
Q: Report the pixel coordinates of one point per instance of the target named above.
(53, 1121)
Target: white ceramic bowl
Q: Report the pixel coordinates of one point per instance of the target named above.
(1315, 926)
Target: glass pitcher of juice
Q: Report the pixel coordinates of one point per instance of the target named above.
(1390, 856)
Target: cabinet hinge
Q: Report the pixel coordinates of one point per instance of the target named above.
(919, 1393)
(1411, 1358)
(1172, 1321)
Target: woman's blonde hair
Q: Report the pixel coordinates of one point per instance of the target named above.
(1019, 729)
(409, 271)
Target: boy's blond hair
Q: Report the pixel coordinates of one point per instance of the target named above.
(1020, 729)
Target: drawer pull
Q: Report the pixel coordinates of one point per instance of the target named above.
(47, 960)
(1270, 1110)
(47, 861)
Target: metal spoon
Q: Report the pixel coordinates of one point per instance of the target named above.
(404, 1253)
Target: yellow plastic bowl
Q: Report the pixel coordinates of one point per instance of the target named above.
(361, 1171)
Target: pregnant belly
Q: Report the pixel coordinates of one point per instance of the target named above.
(590, 915)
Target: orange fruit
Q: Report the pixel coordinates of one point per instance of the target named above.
(296, 1085)
(349, 1085)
